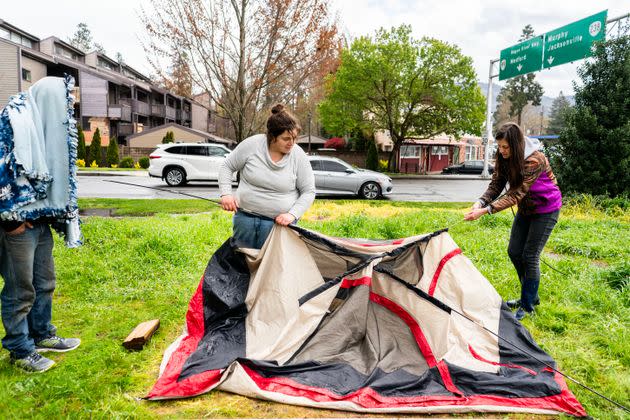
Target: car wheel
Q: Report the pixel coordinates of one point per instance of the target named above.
(370, 190)
(175, 177)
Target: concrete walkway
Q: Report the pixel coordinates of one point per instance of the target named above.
(395, 177)
(112, 173)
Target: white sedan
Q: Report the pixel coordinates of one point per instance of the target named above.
(333, 176)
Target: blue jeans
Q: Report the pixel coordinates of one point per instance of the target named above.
(27, 267)
(527, 240)
(250, 231)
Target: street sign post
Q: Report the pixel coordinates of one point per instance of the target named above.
(522, 58)
(574, 41)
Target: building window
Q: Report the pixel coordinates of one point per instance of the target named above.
(471, 152)
(410, 151)
(65, 52)
(105, 64)
(26, 75)
(4, 34)
(85, 124)
(439, 150)
(26, 42)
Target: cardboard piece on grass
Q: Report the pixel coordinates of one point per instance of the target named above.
(141, 334)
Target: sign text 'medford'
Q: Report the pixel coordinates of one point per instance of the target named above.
(521, 58)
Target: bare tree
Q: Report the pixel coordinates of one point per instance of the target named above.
(246, 54)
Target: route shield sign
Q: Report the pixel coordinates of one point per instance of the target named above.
(521, 58)
(573, 41)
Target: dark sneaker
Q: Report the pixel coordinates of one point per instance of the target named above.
(521, 313)
(57, 344)
(34, 362)
(513, 303)
(516, 303)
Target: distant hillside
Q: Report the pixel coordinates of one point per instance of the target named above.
(546, 101)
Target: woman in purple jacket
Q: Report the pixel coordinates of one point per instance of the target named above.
(533, 187)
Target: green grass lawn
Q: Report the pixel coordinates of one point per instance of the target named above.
(133, 269)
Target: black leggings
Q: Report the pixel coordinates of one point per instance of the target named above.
(527, 240)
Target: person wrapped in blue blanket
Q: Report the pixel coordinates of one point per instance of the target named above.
(38, 147)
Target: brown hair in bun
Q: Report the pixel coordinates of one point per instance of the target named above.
(280, 121)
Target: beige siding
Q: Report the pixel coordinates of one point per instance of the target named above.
(93, 95)
(47, 46)
(9, 72)
(199, 117)
(91, 59)
(38, 71)
(154, 138)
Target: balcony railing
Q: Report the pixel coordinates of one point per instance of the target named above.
(125, 129)
(120, 112)
(185, 115)
(140, 107)
(158, 110)
(171, 113)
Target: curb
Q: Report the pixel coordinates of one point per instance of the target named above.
(113, 173)
(445, 177)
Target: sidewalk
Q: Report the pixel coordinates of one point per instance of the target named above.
(112, 173)
(394, 177)
(439, 176)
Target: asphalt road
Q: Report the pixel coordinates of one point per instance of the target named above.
(452, 189)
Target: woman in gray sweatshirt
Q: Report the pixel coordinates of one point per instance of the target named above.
(276, 182)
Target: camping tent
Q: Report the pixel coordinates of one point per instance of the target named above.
(406, 326)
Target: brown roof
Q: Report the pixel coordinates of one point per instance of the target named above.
(205, 134)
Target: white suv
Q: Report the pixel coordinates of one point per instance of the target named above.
(178, 163)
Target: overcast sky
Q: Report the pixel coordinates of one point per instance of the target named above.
(481, 28)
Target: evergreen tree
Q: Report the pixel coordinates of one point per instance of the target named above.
(502, 113)
(82, 38)
(81, 151)
(593, 151)
(112, 152)
(371, 161)
(95, 149)
(524, 89)
(557, 117)
(169, 137)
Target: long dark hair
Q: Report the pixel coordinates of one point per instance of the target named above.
(515, 164)
(280, 121)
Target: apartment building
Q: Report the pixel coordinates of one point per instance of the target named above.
(111, 96)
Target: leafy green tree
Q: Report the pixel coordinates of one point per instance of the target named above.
(169, 137)
(112, 152)
(371, 161)
(95, 149)
(522, 90)
(408, 87)
(558, 115)
(593, 151)
(81, 151)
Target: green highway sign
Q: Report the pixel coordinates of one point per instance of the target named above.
(573, 41)
(521, 58)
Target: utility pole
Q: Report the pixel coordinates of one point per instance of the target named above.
(488, 137)
(309, 132)
(542, 116)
